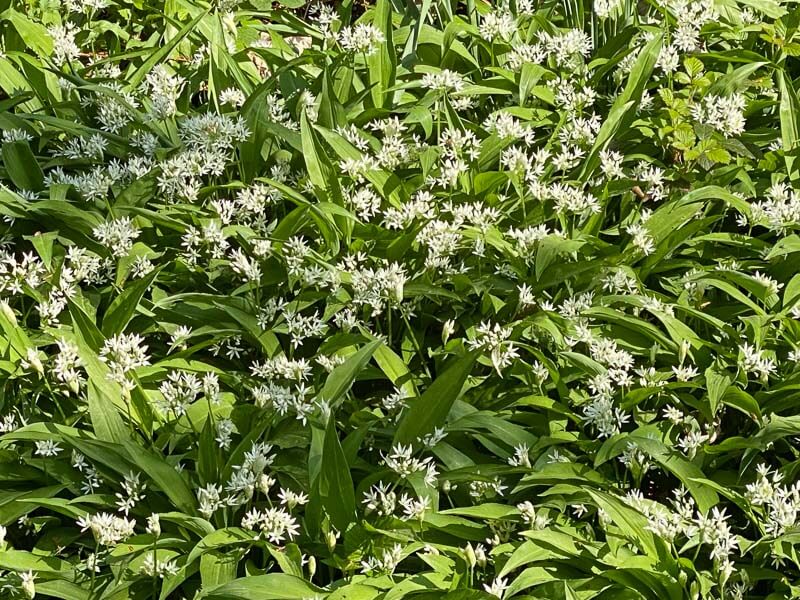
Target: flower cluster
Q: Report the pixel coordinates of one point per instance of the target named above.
(468, 298)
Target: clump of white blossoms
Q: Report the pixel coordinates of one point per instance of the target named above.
(274, 524)
(162, 88)
(641, 238)
(602, 414)
(401, 460)
(444, 81)
(605, 9)
(497, 26)
(213, 132)
(117, 235)
(275, 235)
(232, 96)
(494, 340)
(781, 503)
(779, 211)
(152, 566)
(65, 366)
(756, 361)
(123, 353)
(364, 37)
(107, 529)
(386, 563)
(723, 113)
(47, 448)
(65, 49)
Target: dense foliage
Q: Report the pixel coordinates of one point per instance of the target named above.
(419, 299)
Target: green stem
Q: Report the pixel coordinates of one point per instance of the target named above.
(155, 568)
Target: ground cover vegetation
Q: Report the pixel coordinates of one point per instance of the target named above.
(406, 299)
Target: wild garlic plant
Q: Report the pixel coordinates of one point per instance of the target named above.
(381, 299)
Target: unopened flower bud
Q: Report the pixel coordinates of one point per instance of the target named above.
(35, 362)
(480, 556)
(469, 556)
(264, 483)
(154, 525)
(330, 540)
(398, 290)
(684, 350)
(447, 330)
(312, 566)
(6, 311)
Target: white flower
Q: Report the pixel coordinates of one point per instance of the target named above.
(275, 524)
(180, 336)
(107, 529)
(16, 135)
(521, 457)
(414, 509)
(64, 47)
(154, 567)
(232, 96)
(387, 563)
(495, 341)
(606, 8)
(117, 235)
(27, 584)
(401, 461)
(497, 26)
(607, 418)
(212, 132)
(154, 524)
(690, 442)
(292, 499)
(380, 499)
(47, 448)
(723, 113)
(225, 430)
(641, 238)
(668, 59)
(755, 361)
(163, 89)
(497, 588)
(685, 372)
(123, 353)
(363, 37)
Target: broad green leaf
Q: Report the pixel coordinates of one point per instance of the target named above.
(333, 487)
(20, 560)
(383, 62)
(106, 421)
(166, 478)
(631, 524)
(343, 376)
(790, 122)
(22, 167)
(124, 306)
(621, 111)
(273, 586)
(220, 538)
(163, 52)
(430, 410)
(717, 382)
